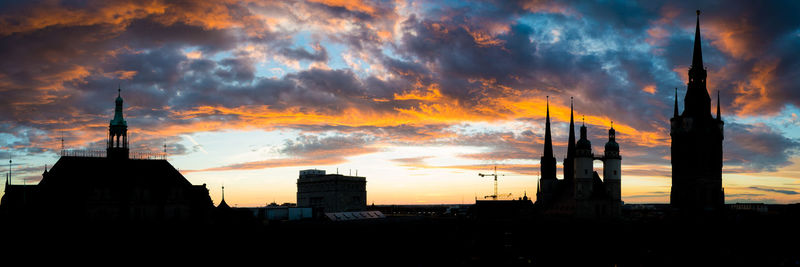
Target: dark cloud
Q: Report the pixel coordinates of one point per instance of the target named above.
(334, 146)
(301, 54)
(757, 147)
(774, 190)
(649, 195)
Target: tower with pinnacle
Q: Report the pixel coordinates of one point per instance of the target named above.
(697, 145)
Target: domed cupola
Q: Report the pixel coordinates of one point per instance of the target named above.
(583, 143)
(612, 147)
(612, 143)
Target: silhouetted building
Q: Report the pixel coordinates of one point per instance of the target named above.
(331, 192)
(697, 145)
(114, 188)
(581, 193)
(499, 210)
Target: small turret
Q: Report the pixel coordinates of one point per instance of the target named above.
(612, 145)
(117, 147)
(583, 143)
(222, 203)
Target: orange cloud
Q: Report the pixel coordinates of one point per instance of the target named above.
(732, 38)
(483, 39)
(429, 93)
(752, 96)
(651, 89)
(209, 15)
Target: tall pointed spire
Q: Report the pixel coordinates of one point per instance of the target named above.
(569, 162)
(719, 117)
(548, 162)
(676, 103)
(697, 102)
(697, 57)
(548, 142)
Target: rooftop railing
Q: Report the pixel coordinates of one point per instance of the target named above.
(103, 154)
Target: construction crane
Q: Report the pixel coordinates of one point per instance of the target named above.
(494, 196)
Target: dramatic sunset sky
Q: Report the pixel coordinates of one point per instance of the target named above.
(418, 96)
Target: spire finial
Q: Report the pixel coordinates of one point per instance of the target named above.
(697, 57)
(675, 115)
(583, 120)
(612, 124)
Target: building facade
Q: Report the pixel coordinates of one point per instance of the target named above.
(331, 192)
(697, 145)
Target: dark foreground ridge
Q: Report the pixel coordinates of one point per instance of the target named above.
(432, 238)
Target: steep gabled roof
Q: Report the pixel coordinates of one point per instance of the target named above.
(76, 171)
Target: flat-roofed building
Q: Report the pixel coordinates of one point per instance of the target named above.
(331, 192)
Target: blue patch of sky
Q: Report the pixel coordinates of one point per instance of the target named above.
(270, 69)
(786, 122)
(215, 149)
(7, 139)
(335, 52)
(219, 56)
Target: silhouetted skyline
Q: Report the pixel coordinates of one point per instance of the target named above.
(418, 97)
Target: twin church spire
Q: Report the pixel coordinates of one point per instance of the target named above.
(548, 162)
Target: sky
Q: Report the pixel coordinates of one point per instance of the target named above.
(417, 96)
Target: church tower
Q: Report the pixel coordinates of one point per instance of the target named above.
(548, 161)
(612, 172)
(548, 180)
(569, 161)
(117, 147)
(697, 145)
(583, 167)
